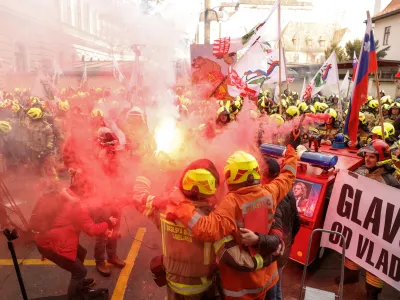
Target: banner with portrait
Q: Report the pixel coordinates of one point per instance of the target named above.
(306, 194)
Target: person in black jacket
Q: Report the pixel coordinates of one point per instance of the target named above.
(286, 221)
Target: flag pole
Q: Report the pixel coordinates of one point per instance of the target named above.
(380, 104)
(348, 91)
(284, 58)
(340, 108)
(378, 96)
(280, 56)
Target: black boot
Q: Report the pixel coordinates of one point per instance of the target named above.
(372, 292)
(88, 282)
(99, 294)
(350, 276)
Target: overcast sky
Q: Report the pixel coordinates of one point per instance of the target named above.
(345, 13)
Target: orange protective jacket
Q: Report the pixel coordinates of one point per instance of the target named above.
(226, 220)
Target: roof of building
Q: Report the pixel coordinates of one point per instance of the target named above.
(392, 9)
(272, 2)
(381, 63)
(307, 36)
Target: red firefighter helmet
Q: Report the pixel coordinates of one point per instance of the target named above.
(378, 147)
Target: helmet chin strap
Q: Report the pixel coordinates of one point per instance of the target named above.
(234, 187)
(383, 162)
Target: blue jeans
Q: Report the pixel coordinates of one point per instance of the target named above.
(275, 292)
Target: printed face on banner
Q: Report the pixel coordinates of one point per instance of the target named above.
(306, 194)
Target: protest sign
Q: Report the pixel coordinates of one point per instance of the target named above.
(367, 213)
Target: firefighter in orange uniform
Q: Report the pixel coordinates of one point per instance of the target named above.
(222, 225)
(189, 264)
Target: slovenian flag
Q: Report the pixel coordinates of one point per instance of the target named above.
(366, 64)
(397, 76)
(355, 63)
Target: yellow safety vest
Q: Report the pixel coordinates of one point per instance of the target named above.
(190, 264)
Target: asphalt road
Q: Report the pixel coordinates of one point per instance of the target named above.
(140, 242)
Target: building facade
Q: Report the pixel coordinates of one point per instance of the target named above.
(306, 42)
(37, 33)
(386, 27)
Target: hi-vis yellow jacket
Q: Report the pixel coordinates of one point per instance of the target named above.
(190, 264)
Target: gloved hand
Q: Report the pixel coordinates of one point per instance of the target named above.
(142, 182)
(176, 197)
(183, 211)
(294, 138)
(141, 190)
(160, 202)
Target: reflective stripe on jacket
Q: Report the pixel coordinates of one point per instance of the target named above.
(190, 264)
(223, 221)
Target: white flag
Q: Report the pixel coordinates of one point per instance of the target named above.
(327, 75)
(266, 30)
(345, 84)
(84, 76)
(136, 76)
(260, 64)
(303, 88)
(276, 94)
(117, 72)
(56, 72)
(238, 87)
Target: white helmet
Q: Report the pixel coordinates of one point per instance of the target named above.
(135, 112)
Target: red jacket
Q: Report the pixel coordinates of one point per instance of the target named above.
(63, 237)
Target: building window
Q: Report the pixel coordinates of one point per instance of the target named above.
(322, 43)
(309, 42)
(386, 36)
(20, 57)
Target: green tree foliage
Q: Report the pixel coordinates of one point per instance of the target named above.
(353, 46)
(381, 53)
(340, 53)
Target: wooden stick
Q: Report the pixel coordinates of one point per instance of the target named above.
(348, 92)
(380, 104)
(340, 108)
(286, 72)
(280, 57)
(221, 83)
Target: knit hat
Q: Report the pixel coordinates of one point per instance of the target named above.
(273, 167)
